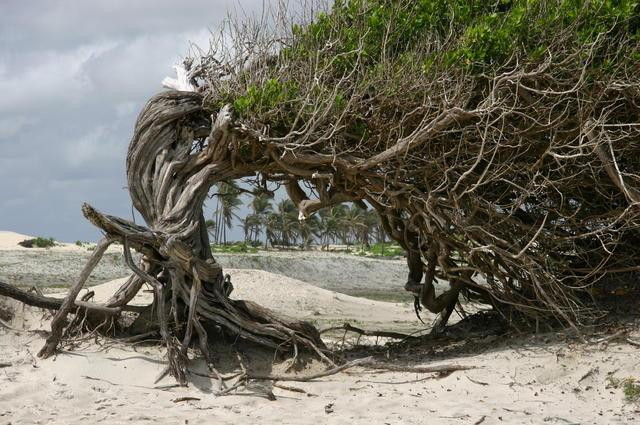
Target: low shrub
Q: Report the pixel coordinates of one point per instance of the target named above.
(381, 250)
(630, 387)
(38, 242)
(233, 248)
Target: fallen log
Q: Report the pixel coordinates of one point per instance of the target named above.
(51, 303)
(29, 298)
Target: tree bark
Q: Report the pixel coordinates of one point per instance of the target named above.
(177, 153)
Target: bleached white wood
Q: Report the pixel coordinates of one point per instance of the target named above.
(180, 83)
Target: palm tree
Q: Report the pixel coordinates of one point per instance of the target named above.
(281, 227)
(228, 203)
(271, 228)
(308, 229)
(251, 226)
(380, 234)
(331, 228)
(340, 213)
(289, 224)
(352, 223)
(261, 206)
(370, 222)
(211, 228)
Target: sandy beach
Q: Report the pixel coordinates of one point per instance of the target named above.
(530, 379)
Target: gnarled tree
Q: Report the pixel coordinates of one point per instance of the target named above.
(497, 141)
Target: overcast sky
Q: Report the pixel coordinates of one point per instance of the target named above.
(73, 76)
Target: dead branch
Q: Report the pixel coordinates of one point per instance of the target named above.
(384, 334)
(30, 298)
(367, 362)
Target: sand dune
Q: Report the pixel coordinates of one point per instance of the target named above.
(10, 240)
(297, 299)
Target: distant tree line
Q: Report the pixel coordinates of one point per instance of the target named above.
(277, 223)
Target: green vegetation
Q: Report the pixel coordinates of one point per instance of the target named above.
(395, 40)
(381, 250)
(630, 387)
(279, 225)
(233, 248)
(38, 242)
(265, 97)
(476, 33)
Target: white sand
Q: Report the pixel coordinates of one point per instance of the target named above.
(532, 380)
(297, 299)
(9, 242)
(526, 381)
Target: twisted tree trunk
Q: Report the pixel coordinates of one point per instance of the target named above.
(177, 153)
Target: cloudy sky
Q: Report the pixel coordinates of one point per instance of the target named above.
(73, 76)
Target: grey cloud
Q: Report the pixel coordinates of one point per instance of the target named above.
(9, 127)
(72, 22)
(73, 75)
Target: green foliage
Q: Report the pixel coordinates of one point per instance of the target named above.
(380, 249)
(477, 34)
(630, 387)
(44, 242)
(234, 248)
(261, 98)
(38, 242)
(382, 44)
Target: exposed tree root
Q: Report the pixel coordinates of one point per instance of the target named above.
(29, 298)
(168, 183)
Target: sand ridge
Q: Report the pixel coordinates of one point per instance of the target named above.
(295, 299)
(9, 241)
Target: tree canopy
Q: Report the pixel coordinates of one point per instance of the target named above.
(497, 140)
